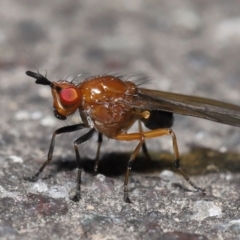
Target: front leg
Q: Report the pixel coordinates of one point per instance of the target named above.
(66, 129)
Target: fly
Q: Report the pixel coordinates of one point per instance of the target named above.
(110, 105)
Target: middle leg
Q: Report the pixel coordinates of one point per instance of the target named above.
(79, 141)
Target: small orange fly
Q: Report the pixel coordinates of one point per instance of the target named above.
(110, 105)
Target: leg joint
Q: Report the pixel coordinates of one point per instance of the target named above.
(171, 132)
(142, 138)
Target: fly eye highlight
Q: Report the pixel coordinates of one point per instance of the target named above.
(68, 97)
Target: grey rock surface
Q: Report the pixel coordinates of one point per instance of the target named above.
(190, 47)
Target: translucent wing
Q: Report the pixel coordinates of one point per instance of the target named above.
(188, 105)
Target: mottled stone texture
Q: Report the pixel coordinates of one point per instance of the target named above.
(190, 47)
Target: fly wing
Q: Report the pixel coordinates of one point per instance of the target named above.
(187, 105)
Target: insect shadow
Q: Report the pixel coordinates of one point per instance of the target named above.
(197, 161)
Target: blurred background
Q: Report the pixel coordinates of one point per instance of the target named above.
(190, 47)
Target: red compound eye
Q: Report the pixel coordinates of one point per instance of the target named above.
(69, 97)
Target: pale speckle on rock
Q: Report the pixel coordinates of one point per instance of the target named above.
(15, 159)
(38, 187)
(204, 209)
(58, 192)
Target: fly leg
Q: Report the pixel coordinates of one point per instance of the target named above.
(152, 134)
(168, 131)
(130, 137)
(77, 142)
(144, 145)
(98, 153)
(66, 129)
(100, 140)
(177, 162)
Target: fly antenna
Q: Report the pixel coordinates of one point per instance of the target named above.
(40, 79)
